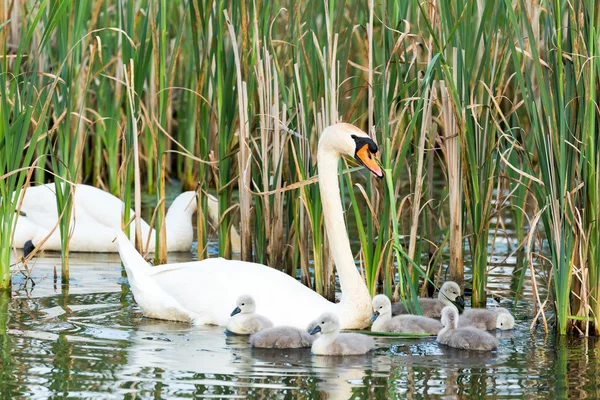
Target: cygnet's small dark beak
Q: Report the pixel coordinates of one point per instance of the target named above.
(236, 311)
(375, 315)
(460, 303)
(316, 329)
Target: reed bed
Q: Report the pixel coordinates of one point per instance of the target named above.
(481, 110)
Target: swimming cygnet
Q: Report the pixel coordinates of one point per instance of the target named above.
(449, 294)
(468, 338)
(487, 320)
(284, 337)
(243, 319)
(383, 321)
(333, 343)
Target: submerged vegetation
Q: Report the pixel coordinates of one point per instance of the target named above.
(497, 99)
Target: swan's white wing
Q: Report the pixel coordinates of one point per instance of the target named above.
(95, 207)
(208, 290)
(39, 206)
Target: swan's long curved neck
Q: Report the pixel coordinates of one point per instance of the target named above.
(352, 284)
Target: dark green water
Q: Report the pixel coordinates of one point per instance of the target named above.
(91, 341)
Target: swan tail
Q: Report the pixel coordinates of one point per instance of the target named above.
(131, 259)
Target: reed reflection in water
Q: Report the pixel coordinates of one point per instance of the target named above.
(91, 338)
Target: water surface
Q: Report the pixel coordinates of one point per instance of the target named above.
(90, 339)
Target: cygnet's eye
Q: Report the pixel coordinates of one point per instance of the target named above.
(243, 304)
(380, 307)
(322, 322)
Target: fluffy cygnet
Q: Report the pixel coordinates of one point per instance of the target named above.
(244, 320)
(449, 294)
(383, 321)
(487, 320)
(281, 337)
(333, 343)
(468, 338)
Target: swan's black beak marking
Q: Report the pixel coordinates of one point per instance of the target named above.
(375, 316)
(365, 154)
(235, 311)
(459, 302)
(316, 329)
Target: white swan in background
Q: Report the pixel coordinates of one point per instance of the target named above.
(202, 291)
(96, 215)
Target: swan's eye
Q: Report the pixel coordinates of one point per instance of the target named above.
(322, 322)
(380, 307)
(243, 304)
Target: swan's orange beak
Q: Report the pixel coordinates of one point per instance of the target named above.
(366, 158)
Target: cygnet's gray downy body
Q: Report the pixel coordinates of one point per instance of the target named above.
(333, 343)
(449, 294)
(281, 337)
(468, 338)
(383, 321)
(284, 337)
(244, 320)
(487, 320)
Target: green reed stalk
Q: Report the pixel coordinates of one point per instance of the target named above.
(160, 252)
(518, 194)
(591, 172)
(141, 54)
(201, 48)
(225, 107)
(106, 151)
(23, 115)
(408, 291)
(69, 109)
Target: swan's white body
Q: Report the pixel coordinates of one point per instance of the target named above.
(96, 215)
(202, 292)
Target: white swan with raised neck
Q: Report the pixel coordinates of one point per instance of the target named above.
(201, 291)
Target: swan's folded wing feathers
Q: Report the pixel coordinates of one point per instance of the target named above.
(197, 284)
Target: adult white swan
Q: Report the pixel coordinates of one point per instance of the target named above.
(96, 215)
(204, 292)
